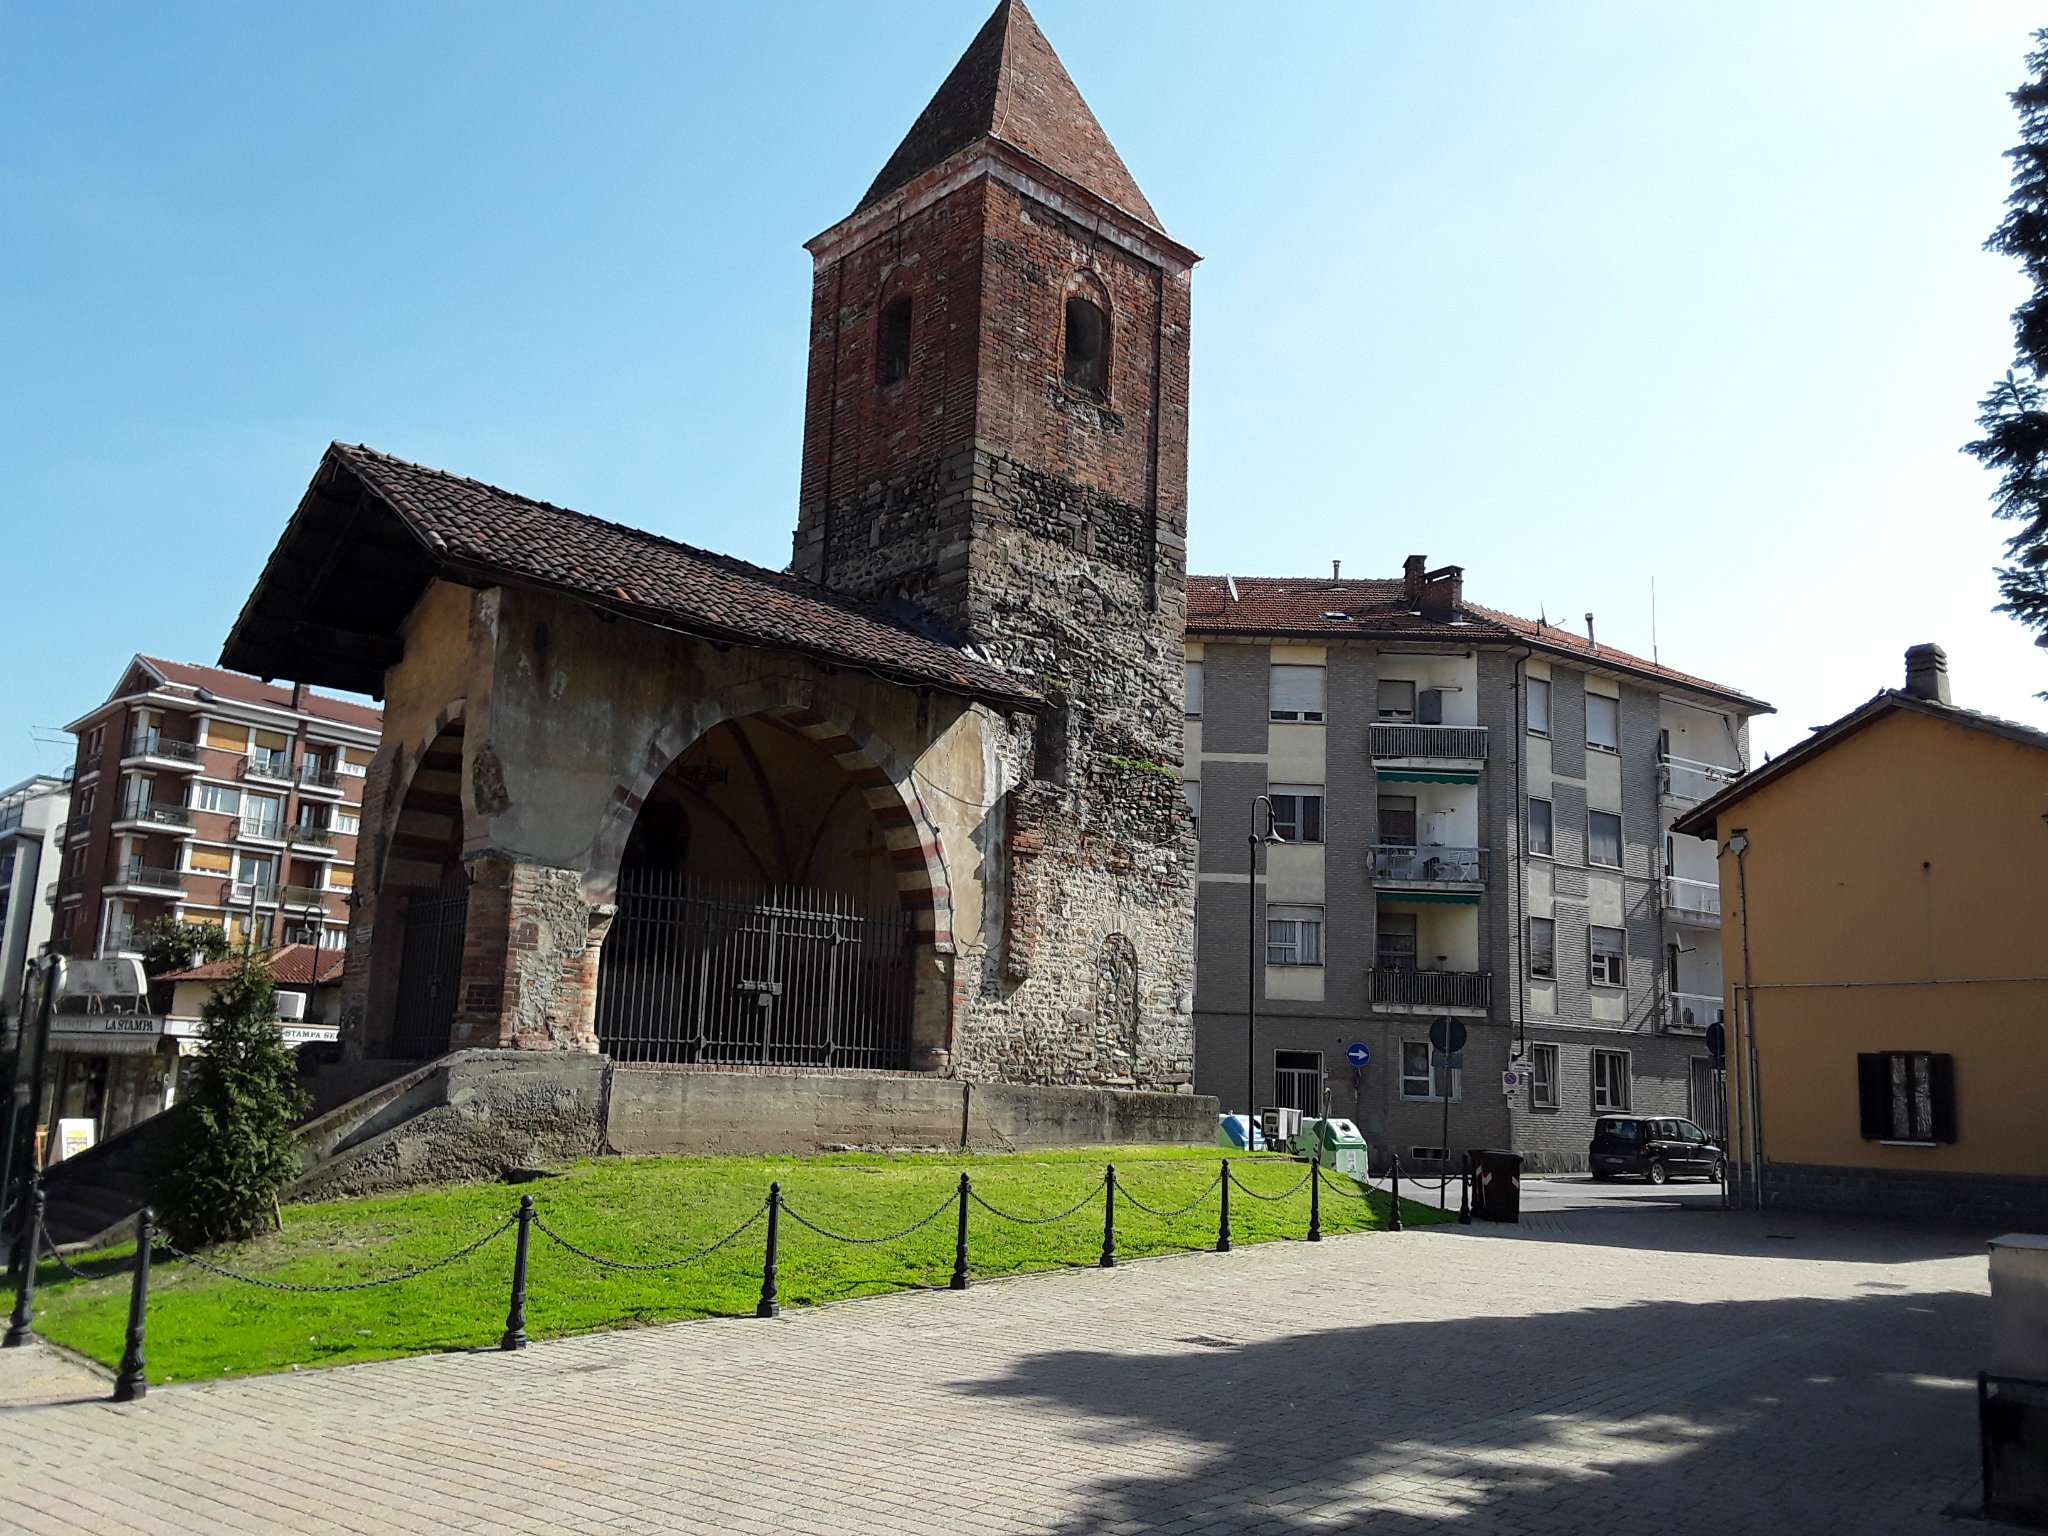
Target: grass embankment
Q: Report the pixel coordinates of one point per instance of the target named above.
(648, 1209)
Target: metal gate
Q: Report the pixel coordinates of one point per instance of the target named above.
(1298, 1081)
(430, 970)
(785, 977)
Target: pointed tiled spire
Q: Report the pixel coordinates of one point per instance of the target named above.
(1011, 86)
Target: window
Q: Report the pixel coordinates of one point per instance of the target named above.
(1607, 957)
(1394, 941)
(1298, 1080)
(1539, 828)
(1396, 699)
(1296, 692)
(1603, 722)
(1397, 820)
(1907, 1096)
(355, 762)
(1425, 1075)
(1294, 936)
(1298, 812)
(348, 821)
(1543, 1077)
(1610, 1081)
(218, 797)
(263, 816)
(892, 344)
(1542, 947)
(1191, 788)
(257, 869)
(1087, 367)
(94, 740)
(1194, 689)
(1539, 705)
(1603, 839)
(312, 817)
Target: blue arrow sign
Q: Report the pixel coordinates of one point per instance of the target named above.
(1357, 1054)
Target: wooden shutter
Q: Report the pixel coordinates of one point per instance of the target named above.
(1941, 1071)
(212, 861)
(1429, 707)
(227, 736)
(277, 741)
(1874, 1095)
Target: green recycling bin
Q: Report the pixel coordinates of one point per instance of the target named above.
(1497, 1186)
(1337, 1144)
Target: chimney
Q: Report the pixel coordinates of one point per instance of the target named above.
(1927, 673)
(1412, 580)
(298, 696)
(1591, 644)
(1443, 591)
(1336, 570)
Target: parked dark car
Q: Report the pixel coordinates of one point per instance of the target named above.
(1653, 1147)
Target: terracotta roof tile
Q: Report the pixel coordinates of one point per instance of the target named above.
(251, 690)
(295, 965)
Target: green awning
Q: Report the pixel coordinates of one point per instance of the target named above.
(1428, 775)
(1441, 898)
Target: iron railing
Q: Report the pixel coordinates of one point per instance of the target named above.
(431, 931)
(273, 770)
(1689, 1013)
(156, 744)
(10, 818)
(137, 873)
(1682, 778)
(1697, 900)
(1432, 989)
(313, 837)
(1403, 864)
(79, 825)
(301, 896)
(268, 827)
(1393, 739)
(314, 775)
(240, 893)
(788, 977)
(155, 815)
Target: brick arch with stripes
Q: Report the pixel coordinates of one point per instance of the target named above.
(884, 779)
(426, 786)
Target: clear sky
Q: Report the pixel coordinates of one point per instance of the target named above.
(1577, 296)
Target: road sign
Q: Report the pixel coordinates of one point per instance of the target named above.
(1448, 1035)
(1510, 1080)
(1357, 1054)
(1455, 1060)
(1717, 1039)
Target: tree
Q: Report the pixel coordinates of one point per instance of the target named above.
(2014, 415)
(169, 945)
(232, 1150)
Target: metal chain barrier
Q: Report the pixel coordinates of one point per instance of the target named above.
(1284, 1194)
(64, 1264)
(1348, 1185)
(689, 1258)
(356, 1285)
(1040, 1221)
(869, 1242)
(1124, 1190)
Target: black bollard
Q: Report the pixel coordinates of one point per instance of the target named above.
(1109, 1219)
(771, 1297)
(19, 1326)
(131, 1382)
(959, 1281)
(515, 1319)
(1394, 1210)
(1465, 1193)
(1223, 1222)
(1315, 1198)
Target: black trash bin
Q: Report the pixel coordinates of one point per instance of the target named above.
(1497, 1186)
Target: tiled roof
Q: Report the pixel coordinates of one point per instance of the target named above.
(249, 690)
(480, 530)
(1378, 607)
(1010, 86)
(295, 965)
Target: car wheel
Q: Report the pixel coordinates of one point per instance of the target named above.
(1720, 1173)
(1659, 1173)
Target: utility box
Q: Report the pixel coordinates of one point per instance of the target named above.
(1497, 1186)
(1337, 1144)
(1280, 1126)
(2012, 1396)
(2019, 1305)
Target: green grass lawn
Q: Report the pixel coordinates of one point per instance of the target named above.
(645, 1209)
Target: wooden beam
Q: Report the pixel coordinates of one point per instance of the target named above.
(324, 640)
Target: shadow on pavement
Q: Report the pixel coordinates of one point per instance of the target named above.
(1663, 1416)
(1701, 1226)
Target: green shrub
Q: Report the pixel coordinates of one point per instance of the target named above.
(231, 1148)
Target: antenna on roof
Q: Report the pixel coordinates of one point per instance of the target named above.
(1653, 617)
(1231, 582)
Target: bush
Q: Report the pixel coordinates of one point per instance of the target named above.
(231, 1148)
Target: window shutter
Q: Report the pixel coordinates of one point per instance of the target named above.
(1429, 707)
(1297, 689)
(1874, 1095)
(1941, 1071)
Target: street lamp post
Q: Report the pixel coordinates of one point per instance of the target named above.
(1253, 949)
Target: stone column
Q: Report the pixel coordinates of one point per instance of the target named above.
(529, 959)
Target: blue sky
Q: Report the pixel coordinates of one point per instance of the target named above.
(1577, 296)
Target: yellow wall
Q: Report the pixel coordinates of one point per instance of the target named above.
(1911, 852)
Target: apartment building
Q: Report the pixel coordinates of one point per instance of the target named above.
(32, 817)
(1454, 813)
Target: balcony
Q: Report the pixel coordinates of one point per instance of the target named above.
(274, 768)
(142, 879)
(301, 896)
(1438, 743)
(78, 826)
(1402, 864)
(318, 777)
(10, 818)
(1682, 781)
(155, 749)
(1689, 1013)
(263, 829)
(148, 816)
(1432, 991)
(1693, 901)
(241, 893)
(316, 842)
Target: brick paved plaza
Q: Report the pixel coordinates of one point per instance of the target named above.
(1627, 1367)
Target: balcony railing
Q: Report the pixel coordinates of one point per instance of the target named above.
(300, 896)
(10, 818)
(267, 827)
(241, 893)
(313, 837)
(152, 814)
(315, 775)
(156, 744)
(272, 770)
(78, 825)
(1696, 900)
(1432, 989)
(1465, 742)
(1681, 778)
(150, 875)
(1402, 864)
(1689, 1013)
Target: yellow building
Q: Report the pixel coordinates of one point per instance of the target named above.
(1885, 885)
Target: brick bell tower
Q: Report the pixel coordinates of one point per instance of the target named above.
(995, 437)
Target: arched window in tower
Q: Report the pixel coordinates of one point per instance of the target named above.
(1087, 347)
(892, 354)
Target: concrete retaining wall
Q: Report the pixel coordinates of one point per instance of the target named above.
(1970, 1199)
